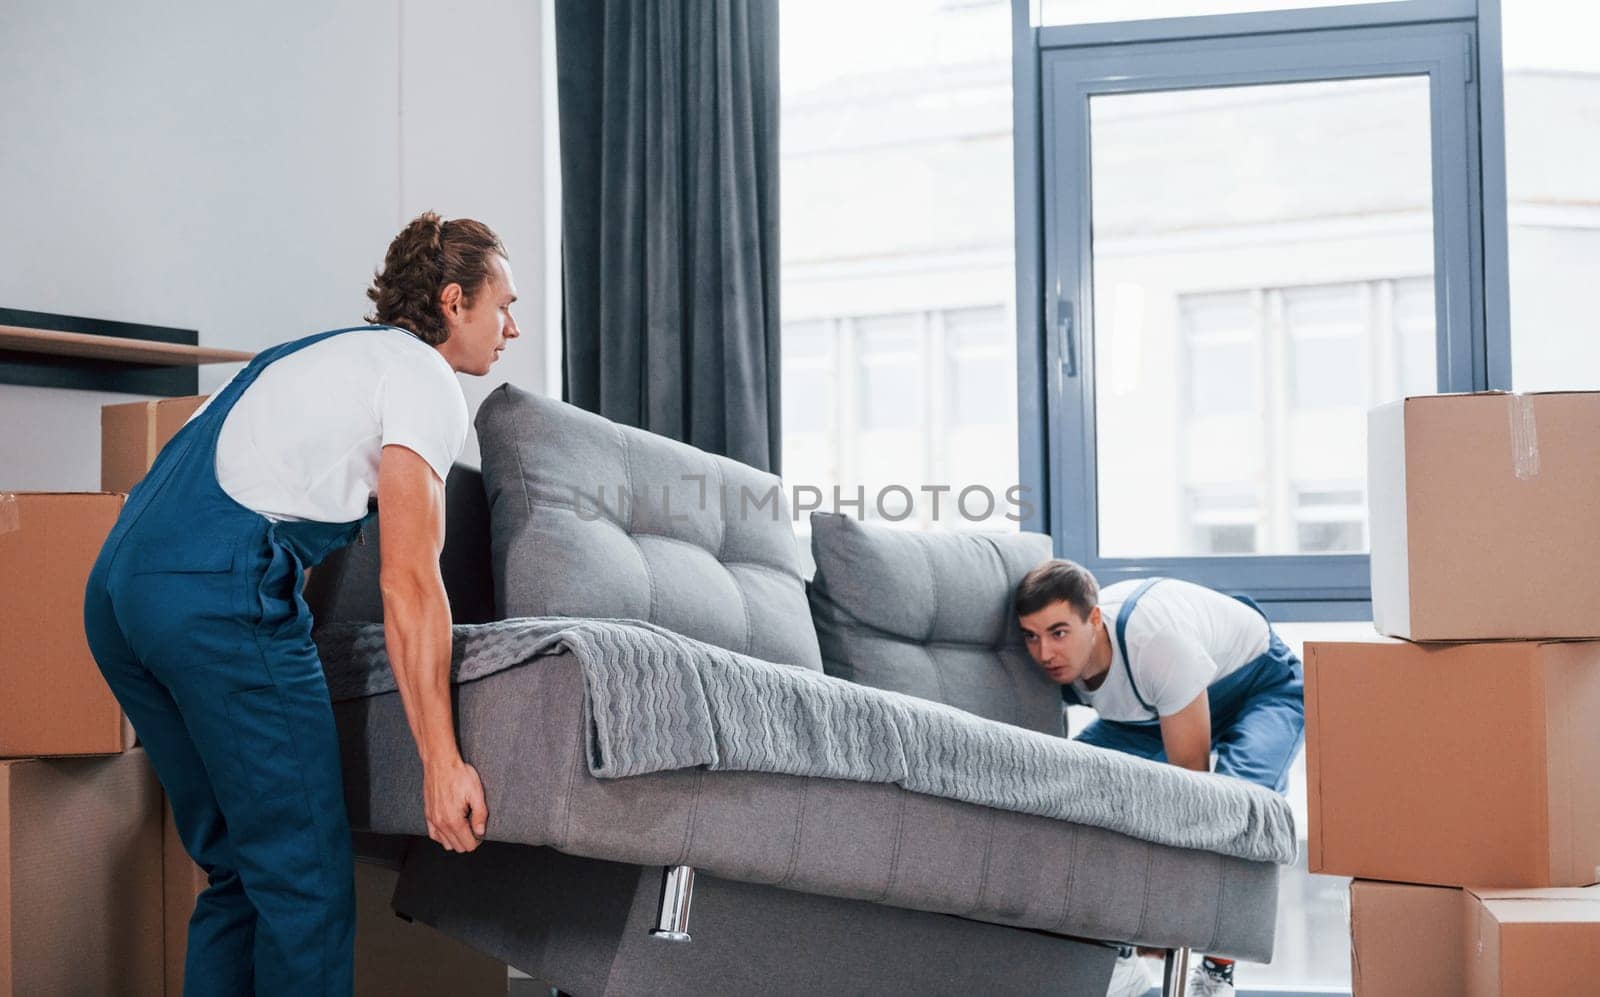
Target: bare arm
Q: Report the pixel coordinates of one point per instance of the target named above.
(1186, 735)
(416, 631)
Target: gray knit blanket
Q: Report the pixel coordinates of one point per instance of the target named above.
(657, 700)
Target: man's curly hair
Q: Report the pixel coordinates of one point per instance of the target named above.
(428, 255)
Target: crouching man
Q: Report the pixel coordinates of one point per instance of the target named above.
(1176, 672)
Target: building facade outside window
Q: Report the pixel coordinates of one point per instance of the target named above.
(1552, 101)
(922, 400)
(1293, 482)
(898, 259)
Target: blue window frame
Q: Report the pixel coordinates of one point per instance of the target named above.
(1059, 70)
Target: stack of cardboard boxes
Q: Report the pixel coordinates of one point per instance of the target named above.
(95, 887)
(1453, 766)
(80, 808)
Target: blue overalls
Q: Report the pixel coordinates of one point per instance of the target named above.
(1257, 712)
(195, 616)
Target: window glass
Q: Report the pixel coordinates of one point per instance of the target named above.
(808, 384)
(897, 251)
(1330, 519)
(1343, 348)
(1327, 347)
(1225, 522)
(1416, 344)
(1252, 299)
(1552, 106)
(982, 373)
(890, 366)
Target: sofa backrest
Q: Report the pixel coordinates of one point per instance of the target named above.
(591, 518)
(930, 615)
(344, 587)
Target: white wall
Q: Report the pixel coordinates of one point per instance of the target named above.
(240, 171)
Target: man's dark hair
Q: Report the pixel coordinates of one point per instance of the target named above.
(1057, 581)
(427, 256)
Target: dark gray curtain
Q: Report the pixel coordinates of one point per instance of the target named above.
(669, 213)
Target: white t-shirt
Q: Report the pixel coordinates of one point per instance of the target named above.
(1181, 638)
(303, 441)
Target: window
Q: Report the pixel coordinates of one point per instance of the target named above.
(1329, 179)
(1226, 522)
(898, 273)
(1091, 11)
(1327, 331)
(1223, 312)
(808, 363)
(1221, 333)
(1278, 382)
(1552, 148)
(1331, 519)
(889, 358)
(1240, 233)
(981, 368)
(934, 391)
(1416, 359)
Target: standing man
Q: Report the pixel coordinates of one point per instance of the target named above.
(195, 615)
(1175, 672)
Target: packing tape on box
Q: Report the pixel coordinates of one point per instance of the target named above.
(10, 513)
(1524, 438)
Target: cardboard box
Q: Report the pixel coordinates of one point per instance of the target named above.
(132, 435)
(80, 877)
(1454, 764)
(393, 957)
(1532, 942)
(53, 699)
(1482, 516)
(1405, 940)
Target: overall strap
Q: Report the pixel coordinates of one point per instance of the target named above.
(193, 511)
(1122, 638)
(1241, 597)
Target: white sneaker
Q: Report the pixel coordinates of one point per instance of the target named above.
(1204, 984)
(1129, 978)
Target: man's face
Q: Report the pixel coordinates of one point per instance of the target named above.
(1060, 640)
(479, 332)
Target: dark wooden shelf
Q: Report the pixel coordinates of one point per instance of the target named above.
(47, 350)
(93, 347)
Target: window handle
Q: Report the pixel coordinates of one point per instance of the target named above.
(1068, 339)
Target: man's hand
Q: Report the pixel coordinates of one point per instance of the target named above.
(452, 796)
(1186, 735)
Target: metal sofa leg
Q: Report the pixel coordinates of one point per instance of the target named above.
(1175, 973)
(672, 918)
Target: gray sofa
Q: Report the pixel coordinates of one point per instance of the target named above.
(803, 884)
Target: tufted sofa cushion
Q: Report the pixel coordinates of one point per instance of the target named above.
(589, 518)
(929, 614)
